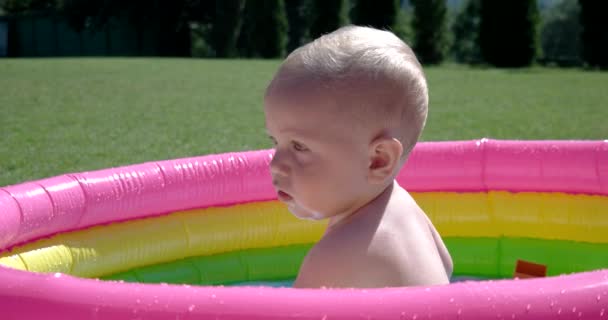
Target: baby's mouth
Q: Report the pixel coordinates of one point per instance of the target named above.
(284, 196)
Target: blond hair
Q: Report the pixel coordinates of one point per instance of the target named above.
(368, 67)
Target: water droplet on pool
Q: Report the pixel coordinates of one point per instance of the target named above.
(580, 314)
(459, 312)
(57, 275)
(528, 307)
(551, 304)
(414, 317)
(451, 300)
(213, 296)
(191, 308)
(598, 298)
(427, 289)
(559, 311)
(602, 313)
(137, 301)
(563, 291)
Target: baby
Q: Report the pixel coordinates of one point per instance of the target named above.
(344, 112)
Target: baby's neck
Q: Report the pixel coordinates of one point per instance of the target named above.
(377, 205)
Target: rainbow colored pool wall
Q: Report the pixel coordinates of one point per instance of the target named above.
(182, 229)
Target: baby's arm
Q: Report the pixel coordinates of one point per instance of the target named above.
(444, 254)
(379, 257)
(331, 267)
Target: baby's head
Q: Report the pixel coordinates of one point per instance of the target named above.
(344, 111)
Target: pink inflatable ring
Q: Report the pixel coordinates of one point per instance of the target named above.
(167, 239)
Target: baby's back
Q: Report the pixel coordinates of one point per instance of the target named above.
(397, 246)
(410, 241)
(424, 256)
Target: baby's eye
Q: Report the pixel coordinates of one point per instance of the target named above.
(298, 146)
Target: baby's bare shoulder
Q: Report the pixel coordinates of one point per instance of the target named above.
(338, 263)
(396, 247)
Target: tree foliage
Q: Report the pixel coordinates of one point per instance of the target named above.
(298, 20)
(403, 27)
(465, 30)
(508, 32)
(327, 16)
(380, 14)
(23, 6)
(226, 27)
(168, 20)
(264, 30)
(595, 32)
(429, 24)
(502, 33)
(560, 34)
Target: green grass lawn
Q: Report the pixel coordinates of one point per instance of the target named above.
(69, 115)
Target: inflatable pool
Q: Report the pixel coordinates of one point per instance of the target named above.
(193, 238)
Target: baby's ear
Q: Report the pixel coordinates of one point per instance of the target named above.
(385, 157)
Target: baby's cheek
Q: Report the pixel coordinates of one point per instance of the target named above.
(305, 160)
(311, 171)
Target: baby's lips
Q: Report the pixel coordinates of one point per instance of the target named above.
(284, 196)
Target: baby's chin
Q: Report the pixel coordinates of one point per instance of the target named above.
(304, 214)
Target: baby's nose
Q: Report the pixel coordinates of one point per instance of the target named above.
(278, 165)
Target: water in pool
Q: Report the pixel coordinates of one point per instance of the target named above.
(289, 283)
